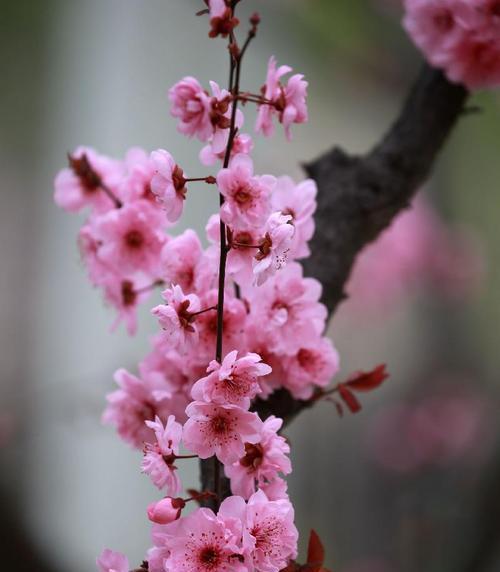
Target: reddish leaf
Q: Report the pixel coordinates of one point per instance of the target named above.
(349, 398)
(368, 380)
(315, 552)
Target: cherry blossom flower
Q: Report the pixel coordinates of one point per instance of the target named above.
(126, 295)
(462, 38)
(233, 325)
(288, 307)
(220, 430)
(131, 238)
(168, 184)
(110, 561)
(235, 381)
(299, 202)
(137, 181)
(222, 20)
(272, 537)
(274, 248)
(246, 196)
(262, 461)
(159, 457)
(179, 259)
(134, 403)
(177, 317)
(210, 154)
(314, 365)
(166, 510)
(191, 104)
(81, 185)
(288, 102)
(205, 543)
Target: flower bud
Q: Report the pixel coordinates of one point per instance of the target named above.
(166, 510)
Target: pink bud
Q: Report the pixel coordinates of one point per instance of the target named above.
(166, 510)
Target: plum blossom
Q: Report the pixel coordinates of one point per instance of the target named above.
(220, 430)
(299, 202)
(180, 257)
(274, 248)
(191, 104)
(131, 238)
(177, 316)
(262, 461)
(139, 171)
(235, 381)
(271, 539)
(210, 154)
(137, 401)
(168, 184)
(247, 197)
(288, 307)
(110, 561)
(203, 542)
(460, 37)
(233, 325)
(288, 102)
(314, 365)
(159, 457)
(82, 184)
(222, 20)
(125, 295)
(166, 510)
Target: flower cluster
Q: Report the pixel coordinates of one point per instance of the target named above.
(243, 300)
(462, 37)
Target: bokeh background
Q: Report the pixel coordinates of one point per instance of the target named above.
(410, 483)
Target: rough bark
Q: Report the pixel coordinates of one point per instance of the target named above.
(359, 196)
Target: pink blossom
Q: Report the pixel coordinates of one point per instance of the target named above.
(205, 543)
(275, 489)
(274, 248)
(247, 197)
(235, 381)
(177, 317)
(168, 184)
(81, 185)
(134, 403)
(137, 182)
(222, 20)
(179, 259)
(287, 307)
(262, 461)
(166, 510)
(240, 257)
(162, 535)
(126, 295)
(462, 38)
(131, 238)
(272, 91)
(110, 561)
(233, 325)
(159, 457)
(221, 119)
(271, 539)
(299, 202)
(220, 430)
(88, 244)
(191, 104)
(288, 102)
(210, 154)
(314, 365)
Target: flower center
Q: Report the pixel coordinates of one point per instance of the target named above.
(444, 21)
(134, 239)
(220, 425)
(305, 358)
(495, 9)
(243, 195)
(129, 295)
(254, 455)
(209, 557)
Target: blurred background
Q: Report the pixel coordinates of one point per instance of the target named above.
(410, 483)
